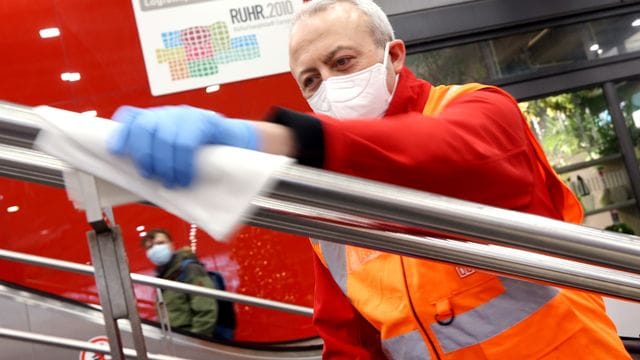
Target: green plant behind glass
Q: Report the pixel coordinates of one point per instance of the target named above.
(572, 123)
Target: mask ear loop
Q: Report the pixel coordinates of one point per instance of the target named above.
(385, 63)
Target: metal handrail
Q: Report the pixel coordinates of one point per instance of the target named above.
(73, 344)
(376, 206)
(453, 218)
(497, 259)
(337, 227)
(159, 283)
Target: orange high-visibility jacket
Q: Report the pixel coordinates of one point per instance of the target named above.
(428, 310)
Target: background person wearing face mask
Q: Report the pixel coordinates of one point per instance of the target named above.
(373, 119)
(193, 313)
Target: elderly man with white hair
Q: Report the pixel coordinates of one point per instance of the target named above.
(372, 118)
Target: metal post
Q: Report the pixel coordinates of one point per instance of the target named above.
(115, 289)
(111, 271)
(624, 139)
(165, 324)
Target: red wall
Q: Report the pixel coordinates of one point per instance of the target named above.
(99, 40)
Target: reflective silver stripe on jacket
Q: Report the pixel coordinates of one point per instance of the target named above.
(336, 258)
(407, 346)
(519, 301)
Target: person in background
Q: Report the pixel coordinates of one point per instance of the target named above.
(373, 119)
(193, 313)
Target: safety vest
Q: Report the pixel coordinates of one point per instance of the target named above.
(430, 310)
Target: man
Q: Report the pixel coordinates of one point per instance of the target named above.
(373, 119)
(194, 313)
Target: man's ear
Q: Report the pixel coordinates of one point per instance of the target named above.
(398, 54)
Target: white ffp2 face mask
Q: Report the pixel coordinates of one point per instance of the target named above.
(358, 95)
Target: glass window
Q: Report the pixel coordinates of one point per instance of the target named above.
(532, 52)
(576, 132)
(629, 95)
(451, 65)
(572, 127)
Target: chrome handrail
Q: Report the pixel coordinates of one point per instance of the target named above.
(453, 218)
(366, 206)
(337, 227)
(159, 283)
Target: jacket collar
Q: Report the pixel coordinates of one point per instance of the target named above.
(411, 94)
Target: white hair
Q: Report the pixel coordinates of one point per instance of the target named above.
(379, 24)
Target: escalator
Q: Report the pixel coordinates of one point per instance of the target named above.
(33, 311)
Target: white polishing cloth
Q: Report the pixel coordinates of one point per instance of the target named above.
(228, 178)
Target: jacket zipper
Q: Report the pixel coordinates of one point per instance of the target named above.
(413, 310)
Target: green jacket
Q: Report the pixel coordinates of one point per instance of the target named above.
(194, 313)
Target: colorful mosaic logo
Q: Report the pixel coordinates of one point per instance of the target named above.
(197, 51)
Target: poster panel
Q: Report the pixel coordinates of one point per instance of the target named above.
(191, 44)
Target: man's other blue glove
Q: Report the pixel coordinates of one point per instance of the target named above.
(162, 141)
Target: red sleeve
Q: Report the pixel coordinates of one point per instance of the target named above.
(476, 149)
(346, 334)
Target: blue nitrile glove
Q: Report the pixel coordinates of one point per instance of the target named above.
(162, 141)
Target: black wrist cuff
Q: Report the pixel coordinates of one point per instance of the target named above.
(308, 134)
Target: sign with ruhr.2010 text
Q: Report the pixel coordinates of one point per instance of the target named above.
(191, 44)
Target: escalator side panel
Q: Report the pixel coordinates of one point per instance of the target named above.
(23, 310)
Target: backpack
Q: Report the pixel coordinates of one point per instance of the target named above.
(226, 323)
